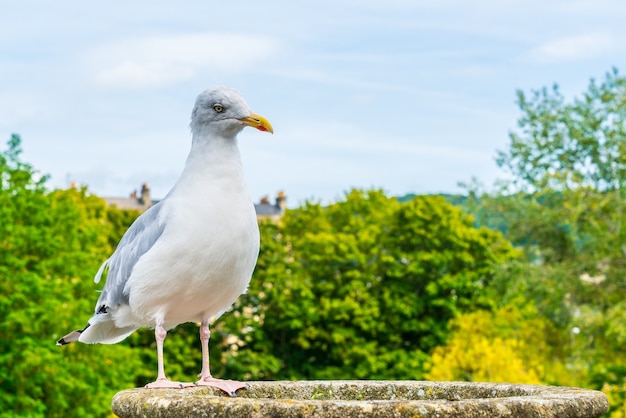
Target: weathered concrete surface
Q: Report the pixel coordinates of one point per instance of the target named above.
(348, 399)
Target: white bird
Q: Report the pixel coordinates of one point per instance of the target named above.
(188, 257)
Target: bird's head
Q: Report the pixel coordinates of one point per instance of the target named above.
(223, 110)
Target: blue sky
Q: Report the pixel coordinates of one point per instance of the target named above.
(408, 96)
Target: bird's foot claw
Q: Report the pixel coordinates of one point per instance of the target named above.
(228, 386)
(168, 384)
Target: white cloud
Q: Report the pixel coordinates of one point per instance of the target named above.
(161, 60)
(574, 48)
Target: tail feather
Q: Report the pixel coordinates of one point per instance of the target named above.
(105, 332)
(102, 331)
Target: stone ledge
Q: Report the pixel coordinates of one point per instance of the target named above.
(347, 399)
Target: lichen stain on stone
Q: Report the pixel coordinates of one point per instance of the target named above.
(162, 403)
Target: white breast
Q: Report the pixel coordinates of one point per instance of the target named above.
(206, 255)
(198, 268)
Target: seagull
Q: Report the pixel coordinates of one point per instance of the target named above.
(189, 256)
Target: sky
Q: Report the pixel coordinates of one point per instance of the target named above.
(408, 96)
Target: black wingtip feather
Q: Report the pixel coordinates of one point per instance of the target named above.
(71, 337)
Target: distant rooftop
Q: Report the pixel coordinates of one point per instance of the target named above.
(265, 209)
(142, 201)
(134, 201)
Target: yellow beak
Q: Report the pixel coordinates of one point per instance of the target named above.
(259, 122)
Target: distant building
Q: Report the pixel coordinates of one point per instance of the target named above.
(265, 209)
(142, 201)
(135, 201)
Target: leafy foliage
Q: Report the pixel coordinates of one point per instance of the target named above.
(364, 288)
(51, 245)
(567, 145)
(564, 207)
(507, 345)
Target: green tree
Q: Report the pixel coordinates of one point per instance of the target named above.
(51, 244)
(362, 288)
(565, 201)
(564, 206)
(568, 161)
(562, 145)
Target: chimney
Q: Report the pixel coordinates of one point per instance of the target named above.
(145, 195)
(265, 200)
(281, 201)
(133, 195)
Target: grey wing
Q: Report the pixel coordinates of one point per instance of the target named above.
(137, 241)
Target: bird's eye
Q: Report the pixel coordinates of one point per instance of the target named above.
(218, 108)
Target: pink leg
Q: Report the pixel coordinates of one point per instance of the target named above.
(205, 335)
(163, 382)
(228, 386)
